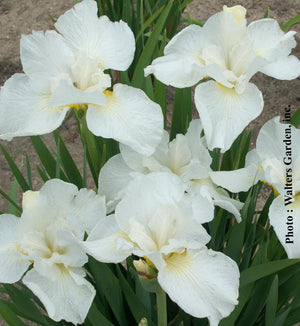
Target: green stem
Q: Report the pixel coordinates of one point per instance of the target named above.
(161, 302)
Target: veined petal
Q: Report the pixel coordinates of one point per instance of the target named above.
(204, 283)
(107, 242)
(25, 112)
(268, 39)
(159, 189)
(130, 117)
(271, 134)
(236, 180)
(181, 64)
(54, 193)
(214, 196)
(223, 30)
(224, 113)
(133, 159)
(13, 264)
(196, 145)
(229, 204)
(285, 220)
(113, 179)
(284, 68)
(45, 56)
(111, 43)
(66, 94)
(87, 208)
(67, 297)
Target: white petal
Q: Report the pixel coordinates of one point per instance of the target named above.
(285, 220)
(204, 283)
(25, 112)
(179, 155)
(202, 205)
(236, 180)
(88, 208)
(132, 159)
(111, 43)
(231, 205)
(145, 194)
(13, 264)
(214, 196)
(158, 159)
(45, 56)
(54, 193)
(68, 297)
(197, 143)
(130, 117)
(67, 94)
(107, 243)
(113, 179)
(224, 113)
(268, 39)
(285, 69)
(272, 156)
(181, 65)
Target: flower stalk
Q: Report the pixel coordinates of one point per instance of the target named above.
(161, 303)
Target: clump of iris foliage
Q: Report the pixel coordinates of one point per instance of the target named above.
(269, 285)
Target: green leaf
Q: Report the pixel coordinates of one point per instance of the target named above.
(25, 305)
(244, 295)
(96, 318)
(67, 162)
(257, 302)
(8, 314)
(136, 307)
(10, 200)
(28, 169)
(291, 22)
(266, 15)
(182, 111)
(12, 209)
(146, 56)
(46, 158)
(271, 305)
(257, 272)
(295, 120)
(109, 285)
(15, 170)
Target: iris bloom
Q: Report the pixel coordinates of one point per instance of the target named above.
(230, 53)
(277, 157)
(69, 70)
(47, 236)
(157, 220)
(185, 156)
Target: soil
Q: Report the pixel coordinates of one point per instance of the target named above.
(21, 17)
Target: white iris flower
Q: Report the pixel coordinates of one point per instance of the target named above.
(157, 220)
(68, 69)
(48, 235)
(276, 161)
(185, 156)
(230, 52)
(277, 157)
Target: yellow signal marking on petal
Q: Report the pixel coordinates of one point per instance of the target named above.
(79, 106)
(108, 93)
(276, 193)
(178, 262)
(18, 247)
(149, 262)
